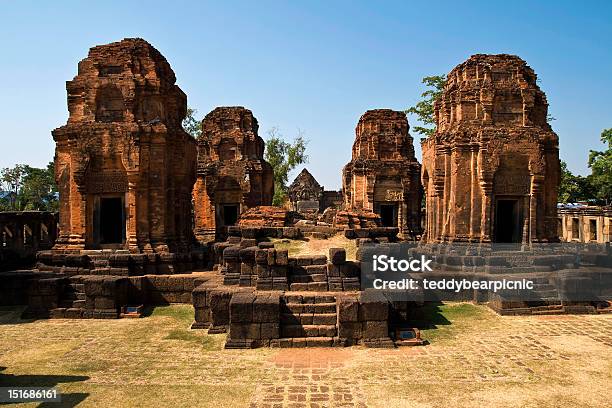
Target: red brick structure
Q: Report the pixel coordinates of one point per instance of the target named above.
(491, 170)
(232, 174)
(123, 163)
(384, 175)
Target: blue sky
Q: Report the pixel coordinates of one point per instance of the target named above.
(316, 66)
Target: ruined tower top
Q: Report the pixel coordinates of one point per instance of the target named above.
(491, 90)
(230, 133)
(128, 81)
(305, 187)
(382, 134)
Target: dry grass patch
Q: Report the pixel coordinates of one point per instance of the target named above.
(312, 246)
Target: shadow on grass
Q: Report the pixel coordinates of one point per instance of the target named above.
(47, 381)
(444, 321)
(428, 316)
(13, 315)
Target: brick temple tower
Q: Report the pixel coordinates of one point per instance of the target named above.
(123, 163)
(384, 175)
(232, 175)
(491, 170)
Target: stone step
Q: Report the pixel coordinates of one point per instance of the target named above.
(74, 296)
(310, 270)
(543, 286)
(77, 287)
(547, 294)
(540, 281)
(308, 298)
(319, 308)
(306, 342)
(308, 330)
(327, 319)
(535, 309)
(544, 303)
(579, 309)
(308, 278)
(309, 287)
(551, 311)
(80, 304)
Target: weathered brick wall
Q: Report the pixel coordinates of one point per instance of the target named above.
(267, 268)
(254, 319)
(166, 289)
(119, 263)
(363, 318)
(43, 295)
(231, 169)
(124, 139)
(104, 296)
(22, 234)
(383, 171)
(492, 142)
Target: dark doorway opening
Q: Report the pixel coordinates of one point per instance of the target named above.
(112, 220)
(230, 214)
(507, 221)
(388, 215)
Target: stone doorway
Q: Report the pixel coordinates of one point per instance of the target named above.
(229, 214)
(508, 220)
(111, 221)
(388, 215)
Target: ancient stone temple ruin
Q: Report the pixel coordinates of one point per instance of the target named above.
(123, 163)
(384, 175)
(305, 193)
(232, 174)
(134, 186)
(491, 170)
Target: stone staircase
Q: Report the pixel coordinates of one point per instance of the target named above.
(549, 301)
(312, 278)
(99, 261)
(308, 320)
(74, 295)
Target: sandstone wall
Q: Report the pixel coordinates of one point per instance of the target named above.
(492, 147)
(124, 140)
(231, 170)
(383, 174)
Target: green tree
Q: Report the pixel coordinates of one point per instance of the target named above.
(424, 109)
(571, 186)
(600, 163)
(29, 188)
(284, 157)
(39, 191)
(191, 124)
(12, 181)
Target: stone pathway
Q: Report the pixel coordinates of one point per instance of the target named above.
(309, 378)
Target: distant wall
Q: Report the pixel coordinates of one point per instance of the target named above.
(22, 234)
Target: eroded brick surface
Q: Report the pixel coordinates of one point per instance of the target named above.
(383, 175)
(491, 171)
(124, 141)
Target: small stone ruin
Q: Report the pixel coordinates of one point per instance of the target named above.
(383, 175)
(232, 175)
